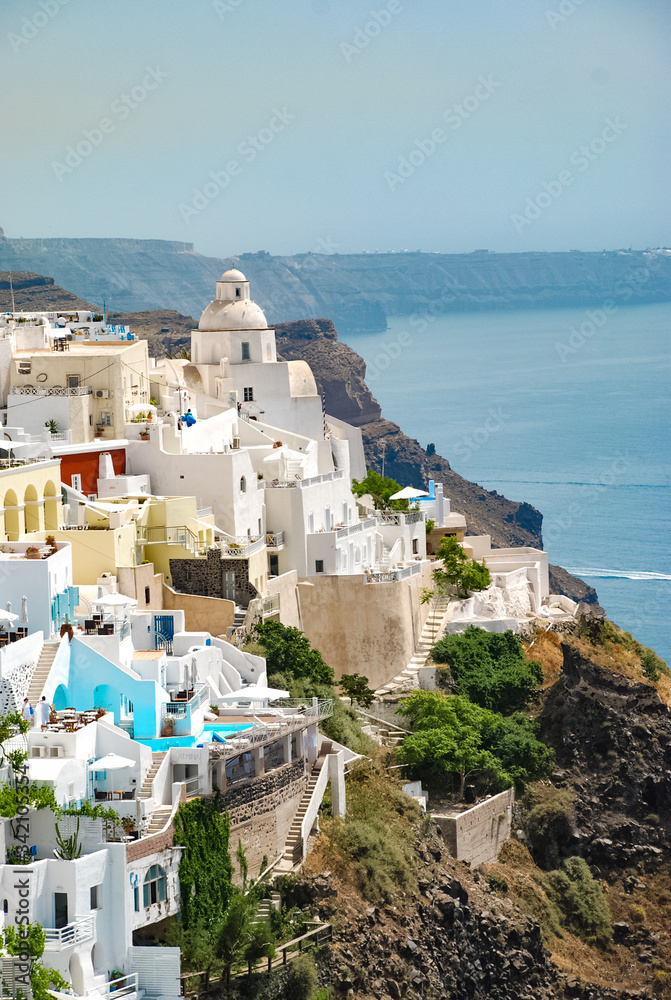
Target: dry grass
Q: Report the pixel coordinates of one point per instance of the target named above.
(547, 649)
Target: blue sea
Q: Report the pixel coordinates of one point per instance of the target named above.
(567, 409)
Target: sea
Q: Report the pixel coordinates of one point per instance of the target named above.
(567, 409)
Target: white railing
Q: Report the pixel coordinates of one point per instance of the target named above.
(274, 539)
(58, 938)
(412, 517)
(54, 390)
(204, 511)
(393, 575)
(352, 529)
(271, 605)
(124, 986)
(283, 724)
(302, 483)
(192, 786)
(237, 551)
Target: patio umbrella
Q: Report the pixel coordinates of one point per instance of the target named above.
(409, 493)
(112, 762)
(24, 610)
(115, 601)
(8, 605)
(8, 616)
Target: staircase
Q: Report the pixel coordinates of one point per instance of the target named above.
(431, 633)
(145, 791)
(239, 616)
(294, 840)
(159, 819)
(42, 668)
(266, 906)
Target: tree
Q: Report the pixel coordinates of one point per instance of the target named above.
(490, 669)
(32, 940)
(356, 688)
(380, 488)
(234, 931)
(260, 945)
(288, 652)
(455, 737)
(458, 570)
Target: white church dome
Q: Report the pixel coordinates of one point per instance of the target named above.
(232, 275)
(227, 315)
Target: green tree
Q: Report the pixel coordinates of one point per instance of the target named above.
(288, 652)
(582, 901)
(198, 945)
(490, 669)
(454, 737)
(42, 977)
(259, 945)
(380, 488)
(355, 687)
(458, 570)
(235, 931)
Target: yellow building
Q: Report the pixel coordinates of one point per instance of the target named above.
(31, 499)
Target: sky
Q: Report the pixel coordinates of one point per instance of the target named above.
(337, 125)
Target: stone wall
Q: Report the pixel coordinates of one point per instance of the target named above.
(205, 577)
(262, 811)
(476, 835)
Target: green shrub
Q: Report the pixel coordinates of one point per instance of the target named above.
(581, 901)
(548, 822)
(490, 669)
(302, 982)
(497, 884)
(637, 913)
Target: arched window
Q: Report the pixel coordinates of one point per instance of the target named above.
(243, 484)
(155, 886)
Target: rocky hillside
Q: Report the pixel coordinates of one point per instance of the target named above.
(358, 291)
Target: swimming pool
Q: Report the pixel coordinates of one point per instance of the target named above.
(205, 736)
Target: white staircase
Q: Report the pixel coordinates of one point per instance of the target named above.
(160, 818)
(294, 839)
(157, 760)
(433, 630)
(265, 908)
(42, 668)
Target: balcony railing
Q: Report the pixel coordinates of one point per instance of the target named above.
(274, 539)
(393, 576)
(53, 390)
(412, 517)
(271, 605)
(179, 709)
(234, 550)
(352, 529)
(78, 932)
(302, 483)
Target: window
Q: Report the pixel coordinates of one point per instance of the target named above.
(90, 420)
(154, 888)
(136, 899)
(72, 381)
(319, 565)
(243, 485)
(147, 595)
(238, 293)
(24, 367)
(76, 481)
(96, 897)
(415, 546)
(245, 350)
(105, 418)
(248, 394)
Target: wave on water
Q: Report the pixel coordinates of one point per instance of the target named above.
(619, 574)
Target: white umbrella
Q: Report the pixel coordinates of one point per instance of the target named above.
(24, 610)
(8, 616)
(8, 605)
(112, 762)
(253, 693)
(115, 600)
(409, 493)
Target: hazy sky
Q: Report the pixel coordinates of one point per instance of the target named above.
(343, 125)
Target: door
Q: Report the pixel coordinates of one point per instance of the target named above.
(60, 909)
(274, 565)
(229, 585)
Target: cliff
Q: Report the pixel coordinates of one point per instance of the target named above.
(358, 291)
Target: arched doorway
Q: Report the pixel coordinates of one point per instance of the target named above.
(32, 509)
(13, 518)
(108, 698)
(61, 698)
(51, 503)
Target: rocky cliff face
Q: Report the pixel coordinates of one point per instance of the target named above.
(357, 290)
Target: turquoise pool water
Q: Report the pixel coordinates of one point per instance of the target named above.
(206, 736)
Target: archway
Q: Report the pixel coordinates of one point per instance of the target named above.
(61, 698)
(32, 509)
(108, 698)
(51, 504)
(12, 516)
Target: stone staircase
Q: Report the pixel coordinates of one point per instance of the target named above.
(289, 858)
(384, 733)
(431, 633)
(265, 908)
(159, 819)
(239, 616)
(42, 668)
(157, 760)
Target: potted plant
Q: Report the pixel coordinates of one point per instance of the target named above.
(52, 426)
(168, 727)
(32, 552)
(144, 434)
(128, 825)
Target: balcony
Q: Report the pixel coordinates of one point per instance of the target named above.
(353, 529)
(243, 549)
(393, 576)
(275, 540)
(53, 390)
(60, 938)
(303, 483)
